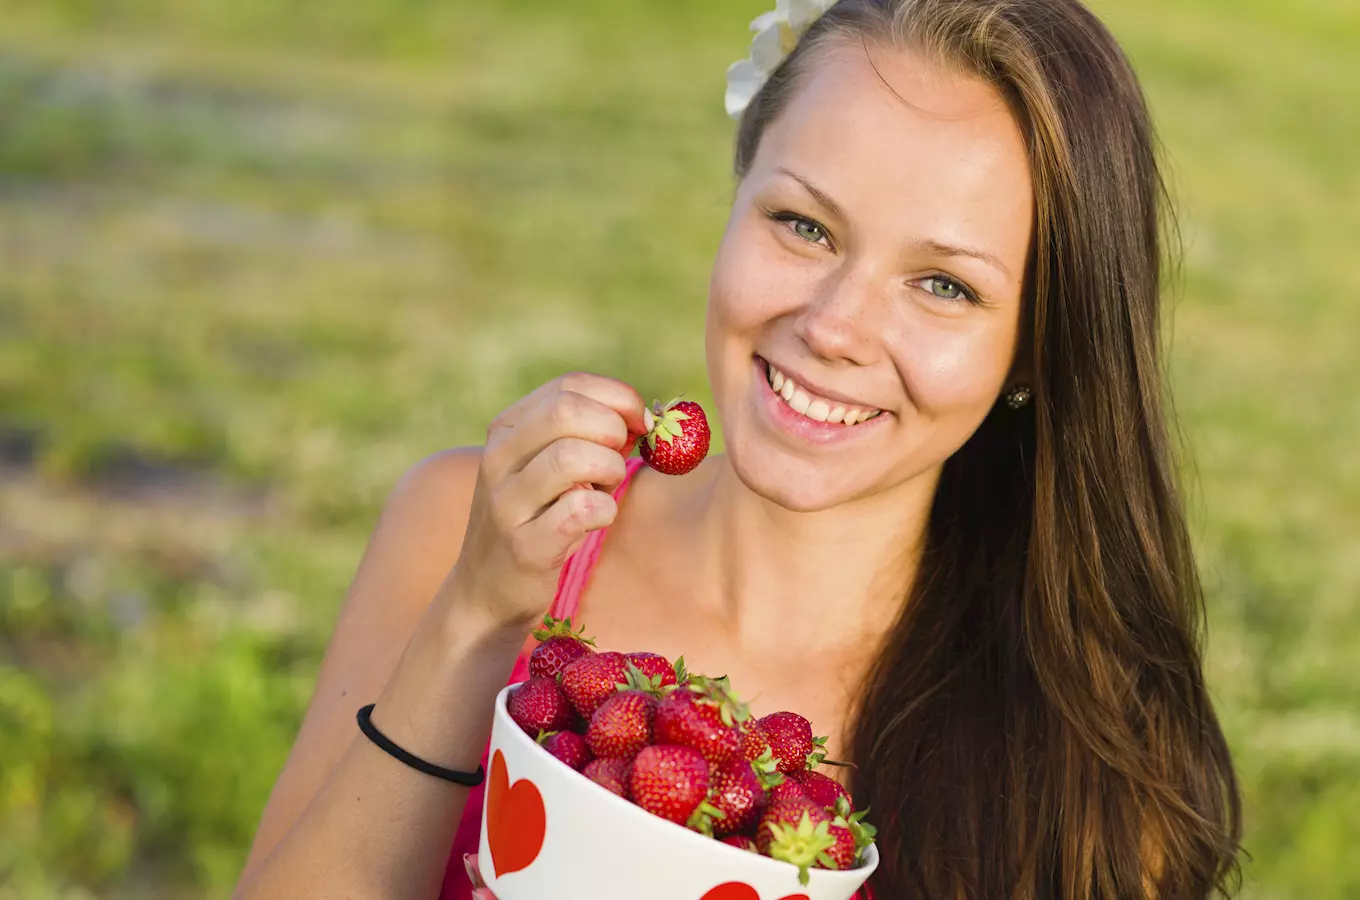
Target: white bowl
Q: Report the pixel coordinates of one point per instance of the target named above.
(561, 836)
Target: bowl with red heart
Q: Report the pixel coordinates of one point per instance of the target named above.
(622, 775)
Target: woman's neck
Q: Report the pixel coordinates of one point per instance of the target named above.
(797, 582)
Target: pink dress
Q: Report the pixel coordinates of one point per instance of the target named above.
(570, 585)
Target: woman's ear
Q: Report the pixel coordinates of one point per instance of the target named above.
(1018, 388)
(1022, 367)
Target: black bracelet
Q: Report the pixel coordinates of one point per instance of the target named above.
(469, 779)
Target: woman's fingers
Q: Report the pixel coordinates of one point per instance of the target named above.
(551, 537)
(619, 396)
(562, 465)
(591, 407)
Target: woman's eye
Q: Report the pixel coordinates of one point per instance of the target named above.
(946, 288)
(808, 231)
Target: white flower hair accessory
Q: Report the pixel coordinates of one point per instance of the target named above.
(777, 33)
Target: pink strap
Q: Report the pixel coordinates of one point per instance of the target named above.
(572, 582)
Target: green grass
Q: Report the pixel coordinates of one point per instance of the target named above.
(258, 257)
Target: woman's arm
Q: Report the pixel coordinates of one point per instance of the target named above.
(347, 820)
(344, 817)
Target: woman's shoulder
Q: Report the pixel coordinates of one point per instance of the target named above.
(445, 473)
(427, 510)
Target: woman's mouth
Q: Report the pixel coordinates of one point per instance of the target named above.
(809, 405)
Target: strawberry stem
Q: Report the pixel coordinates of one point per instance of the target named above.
(836, 762)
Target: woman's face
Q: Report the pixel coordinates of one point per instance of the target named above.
(874, 257)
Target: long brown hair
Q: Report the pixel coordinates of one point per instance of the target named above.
(1037, 725)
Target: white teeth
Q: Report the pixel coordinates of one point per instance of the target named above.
(817, 409)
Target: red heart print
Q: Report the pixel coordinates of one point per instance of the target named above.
(736, 890)
(515, 820)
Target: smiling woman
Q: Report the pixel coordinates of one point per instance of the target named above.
(948, 495)
(976, 202)
(877, 243)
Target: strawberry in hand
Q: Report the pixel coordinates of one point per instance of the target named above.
(677, 436)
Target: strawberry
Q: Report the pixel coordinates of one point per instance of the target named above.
(862, 831)
(843, 854)
(677, 436)
(741, 842)
(559, 647)
(791, 740)
(851, 835)
(704, 715)
(753, 743)
(568, 746)
(622, 724)
(654, 665)
(611, 774)
(589, 680)
(787, 790)
(822, 789)
(796, 830)
(538, 705)
(672, 782)
(737, 791)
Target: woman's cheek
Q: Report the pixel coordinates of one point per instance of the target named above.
(753, 281)
(947, 372)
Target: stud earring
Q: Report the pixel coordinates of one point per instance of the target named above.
(1018, 396)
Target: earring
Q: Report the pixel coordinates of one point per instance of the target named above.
(1018, 396)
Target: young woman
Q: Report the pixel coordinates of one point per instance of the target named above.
(956, 543)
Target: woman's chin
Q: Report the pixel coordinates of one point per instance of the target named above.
(795, 485)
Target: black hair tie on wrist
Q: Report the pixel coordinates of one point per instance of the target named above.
(468, 779)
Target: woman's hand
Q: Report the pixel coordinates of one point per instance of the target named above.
(479, 889)
(551, 461)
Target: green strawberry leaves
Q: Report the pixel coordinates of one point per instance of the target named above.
(637, 680)
(818, 754)
(665, 423)
(681, 673)
(718, 692)
(766, 768)
(561, 628)
(802, 845)
(701, 820)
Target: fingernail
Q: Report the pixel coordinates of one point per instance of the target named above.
(473, 875)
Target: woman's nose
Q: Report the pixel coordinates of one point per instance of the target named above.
(838, 323)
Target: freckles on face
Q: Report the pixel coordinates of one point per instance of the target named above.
(877, 246)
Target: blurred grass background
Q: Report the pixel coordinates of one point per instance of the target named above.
(258, 257)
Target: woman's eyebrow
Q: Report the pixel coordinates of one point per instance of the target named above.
(817, 193)
(938, 248)
(926, 245)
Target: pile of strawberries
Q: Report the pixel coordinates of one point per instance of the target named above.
(682, 747)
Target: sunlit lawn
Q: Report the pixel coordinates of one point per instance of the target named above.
(258, 257)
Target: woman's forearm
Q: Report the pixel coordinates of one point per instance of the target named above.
(376, 828)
